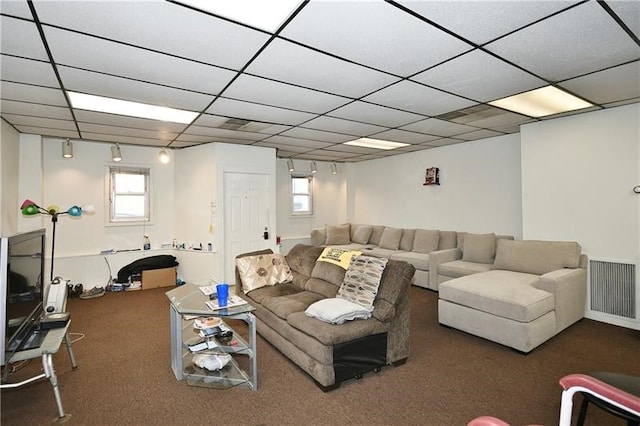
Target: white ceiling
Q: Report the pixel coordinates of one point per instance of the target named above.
(418, 72)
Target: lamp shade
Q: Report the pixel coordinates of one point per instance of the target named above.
(89, 209)
(30, 210)
(74, 211)
(27, 203)
(53, 209)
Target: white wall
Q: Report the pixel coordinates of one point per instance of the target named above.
(578, 175)
(9, 154)
(330, 207)
(479, 192)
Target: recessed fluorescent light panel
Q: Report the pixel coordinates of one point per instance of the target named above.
(541, 102)
(376, 143)
(266, 15)
(132, 109)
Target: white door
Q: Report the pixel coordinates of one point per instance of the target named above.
(246, 215)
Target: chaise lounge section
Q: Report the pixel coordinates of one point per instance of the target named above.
(534, 290)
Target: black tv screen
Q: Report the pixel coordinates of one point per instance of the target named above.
(21, 288)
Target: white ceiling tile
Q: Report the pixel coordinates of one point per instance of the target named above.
(27, 71)
(470, 18)
(121, 88)
(29, 93)
(47, 131)
(209, 120)
(317, 135)
(194, 139)
(124, 121)
(21, 38)
(275, 129)
(480, 76)
(296, 141)
(622, 82)
(629, 12)
(224, 133)
(397, 135)
(283, 150)
(370, 113)
(339, 125)
(410, 96)
(87, 128)
(267, 92)
(478, 134)
(77, 50)
(433, 126)
(569, 44)
(130, 140)
(290, 63)
(444, 142)
(36, 110)
(16, 8)
(160, 26)
(26, 120)
(252, 111)
(375, 34)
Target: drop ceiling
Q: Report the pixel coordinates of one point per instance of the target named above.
(417, 72)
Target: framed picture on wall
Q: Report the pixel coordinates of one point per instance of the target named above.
(432, 176)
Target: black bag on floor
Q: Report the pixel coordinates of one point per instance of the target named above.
(152, 262)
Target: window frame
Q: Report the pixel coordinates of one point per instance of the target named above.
(112, 171)
(310, 194)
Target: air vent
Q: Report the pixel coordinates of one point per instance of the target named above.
(234, 124)
(612, 288)
(471, 114)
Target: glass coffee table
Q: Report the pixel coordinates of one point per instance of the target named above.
(188, 303)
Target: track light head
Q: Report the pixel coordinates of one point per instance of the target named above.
(116, 154)
(164, 156)
(67, 149)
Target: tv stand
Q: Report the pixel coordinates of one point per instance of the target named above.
(50, 345)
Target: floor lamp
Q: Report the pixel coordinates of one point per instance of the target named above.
(29, 208)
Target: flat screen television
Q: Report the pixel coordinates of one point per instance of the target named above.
(21, 291)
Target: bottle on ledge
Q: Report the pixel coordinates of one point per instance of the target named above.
(147, 243)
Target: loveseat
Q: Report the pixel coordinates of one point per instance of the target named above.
(414, 246)
(330, 353)
(533, 291)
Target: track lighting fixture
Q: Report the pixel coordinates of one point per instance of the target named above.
(290, 165)
(314, 168)
(334, 168)
(67, 149)
(164, 156)
(116, 154)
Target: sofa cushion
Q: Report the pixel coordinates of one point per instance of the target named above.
(376, 234)
(329, 272)
(460, 268)
(362, 280)
(260, 294)
(419, 260)
(336, 310)
(392, 287)
(426, 240)
(337, 234)
(283, 306)
(262, 270)
(379, 252)
(333, 334)
(319, 286)
(302, 258)
(360, 233)
(537, 257)
(406, 242)
(480, 248)
(390, 238)
(338, 257)
(448, 240)
(506, 294)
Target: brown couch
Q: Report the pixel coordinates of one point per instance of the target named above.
(332, 353)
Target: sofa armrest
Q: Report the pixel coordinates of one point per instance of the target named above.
(569, 287)
(438, 257)
(318, 236)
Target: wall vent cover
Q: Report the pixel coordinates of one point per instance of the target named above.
(613, 288)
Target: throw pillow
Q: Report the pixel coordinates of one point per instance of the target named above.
(390, 238)
(337, 256)
(479, 248)
(337, 234)
(362, 279)
(406, 243)
(336, 311)
(361, 234)
(262, 270)
(426, 240)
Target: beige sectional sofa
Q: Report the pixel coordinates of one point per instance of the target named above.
(531, 292)
(414, 246)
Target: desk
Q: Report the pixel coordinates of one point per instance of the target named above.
(50, 345)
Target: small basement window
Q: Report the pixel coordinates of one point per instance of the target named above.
(301, 195)
(129, 198)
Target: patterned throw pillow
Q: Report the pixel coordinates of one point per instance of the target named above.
(362, 279)
(338, 256)
(262, 270)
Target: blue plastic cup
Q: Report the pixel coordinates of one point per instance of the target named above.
(223, 294)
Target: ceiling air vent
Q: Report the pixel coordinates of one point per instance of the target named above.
(234, 124)
(471, 114)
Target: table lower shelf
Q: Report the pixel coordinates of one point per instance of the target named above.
(227, 377)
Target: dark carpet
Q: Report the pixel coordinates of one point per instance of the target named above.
(125, 378)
